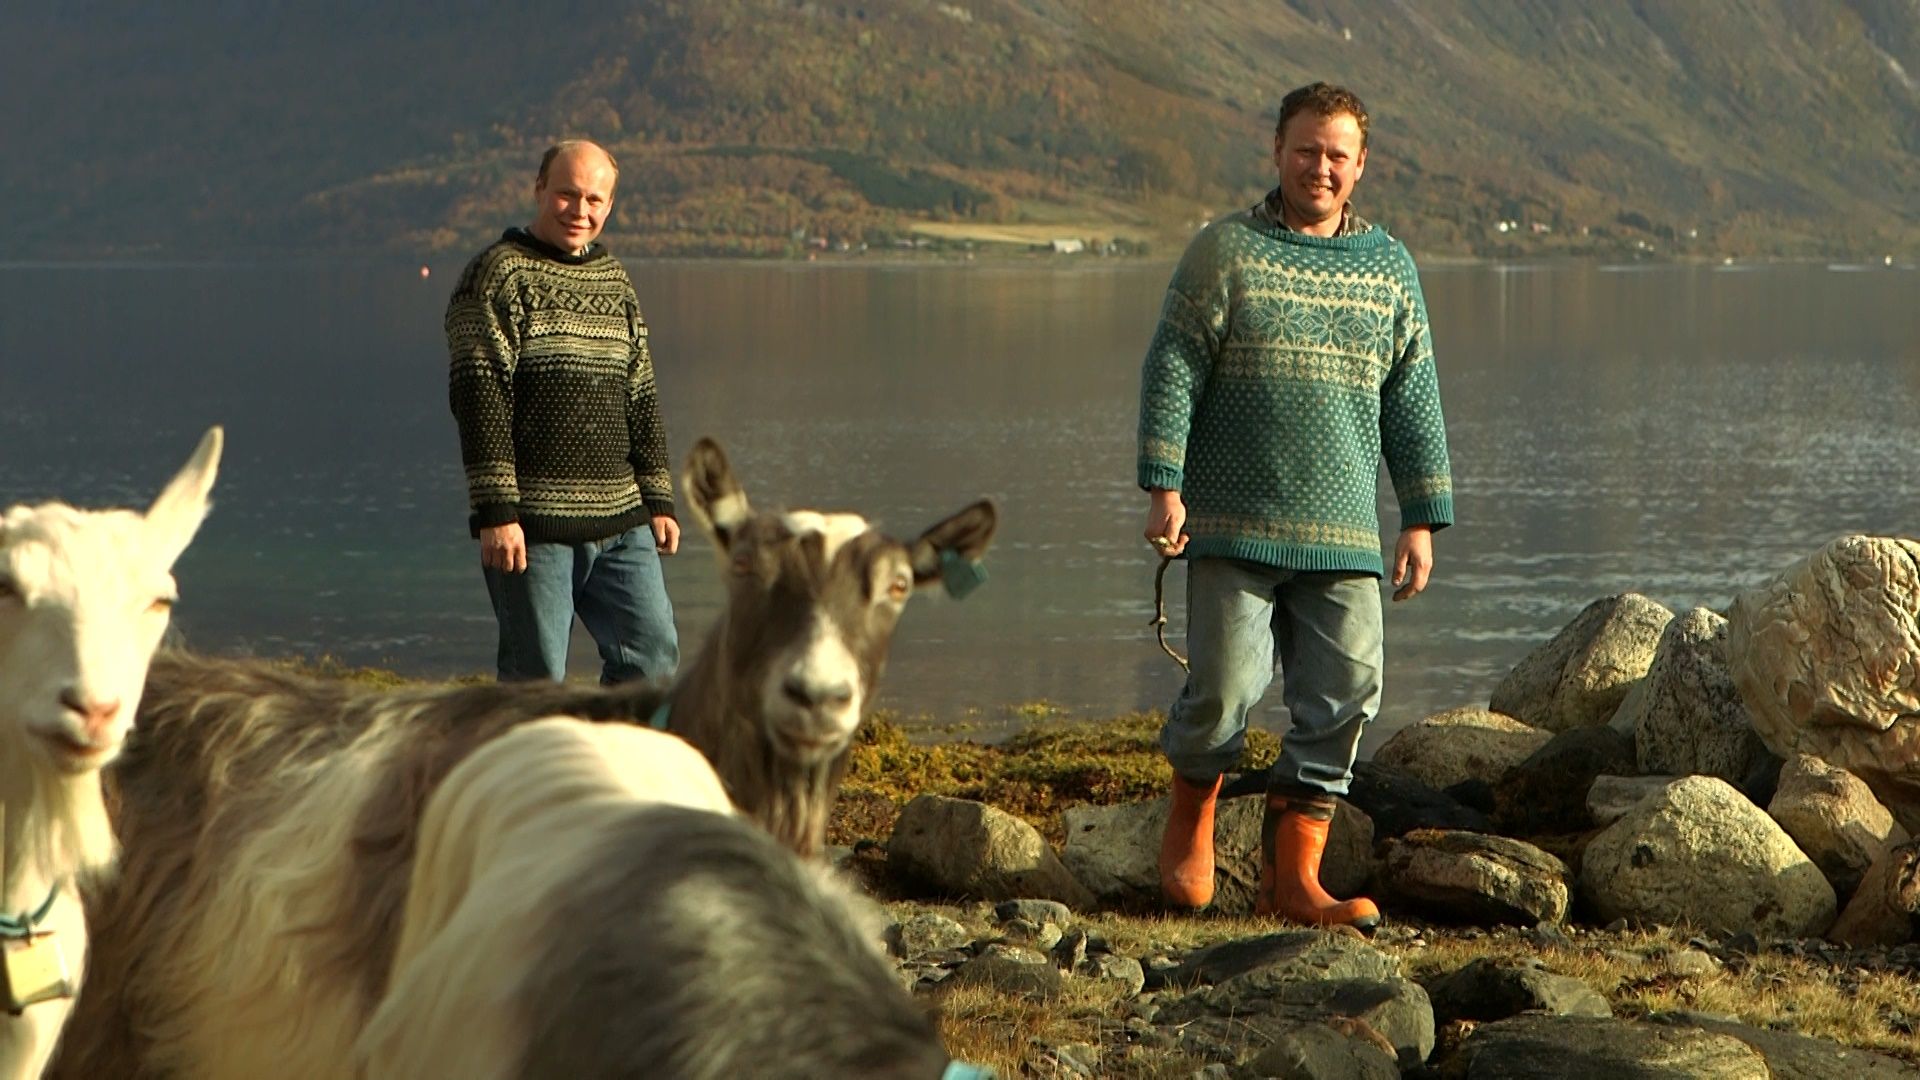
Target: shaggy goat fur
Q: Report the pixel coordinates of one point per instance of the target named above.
(272, 819)
(585, 905)
(84, 600)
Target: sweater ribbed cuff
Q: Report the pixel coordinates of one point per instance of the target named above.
(490, 515)
(659, 507)
(1435, 511)
(1153, 474)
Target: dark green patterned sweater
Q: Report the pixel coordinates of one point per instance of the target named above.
(1284, 367)
(552, 386)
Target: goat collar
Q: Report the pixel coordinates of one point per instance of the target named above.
(658, 721)
(960, 1070)
(20, 927)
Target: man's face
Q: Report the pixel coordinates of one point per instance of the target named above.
(1320, 159)
(572, 203)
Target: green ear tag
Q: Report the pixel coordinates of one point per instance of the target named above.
(960, 576)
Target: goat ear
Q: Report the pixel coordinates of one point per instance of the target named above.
(712, 491)
(965, 534)
(178, 511)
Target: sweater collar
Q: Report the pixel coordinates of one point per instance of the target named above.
(1267, 212)
(595, 251)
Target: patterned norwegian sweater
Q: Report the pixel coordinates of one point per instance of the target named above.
(552, 385)
(1284, 367)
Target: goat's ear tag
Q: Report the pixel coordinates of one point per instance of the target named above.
(960, 575)
(36, 971)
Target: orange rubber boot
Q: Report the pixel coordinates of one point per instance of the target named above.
(1293, 835)
(1186, 848)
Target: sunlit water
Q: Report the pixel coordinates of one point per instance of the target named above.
(1679, 431)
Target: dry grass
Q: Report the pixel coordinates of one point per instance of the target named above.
(1057, 764)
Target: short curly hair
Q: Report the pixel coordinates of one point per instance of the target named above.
(1324, 100)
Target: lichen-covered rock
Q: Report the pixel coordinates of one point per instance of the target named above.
(1699, 853)
(1471, 877)
(1885, 909)
(1460, 745)
(1688, 717)
(1579, 677)
(1827, 658)
(1834, 818)
(967, 848)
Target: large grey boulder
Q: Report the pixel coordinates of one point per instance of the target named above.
(1474, 878)
(1579, 677)
(1827, 658)
(1397, 804)
(1539, 1047)
(1114, 852)
(1699, 853)
(1687, 717)
(966, 848)
(1798, 1057)
(1460, 745)
(1288, 956)
(1834, 818)
(1610, 797)
(1547, 793)
(1396, 1010)
(1490, 989)
(1313, 1050)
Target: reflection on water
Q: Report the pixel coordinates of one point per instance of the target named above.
(1682, 432)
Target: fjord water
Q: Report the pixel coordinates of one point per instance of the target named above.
(1681, 431)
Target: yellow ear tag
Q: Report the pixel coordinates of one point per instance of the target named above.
(36, 971)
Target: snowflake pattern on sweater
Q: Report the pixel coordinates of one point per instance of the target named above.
(1284, 367)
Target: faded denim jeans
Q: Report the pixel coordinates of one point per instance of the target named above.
(1325, 630)
(617, 589)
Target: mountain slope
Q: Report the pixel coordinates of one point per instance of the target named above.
(748, 126)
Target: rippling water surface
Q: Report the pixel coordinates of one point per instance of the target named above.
(1679, 431)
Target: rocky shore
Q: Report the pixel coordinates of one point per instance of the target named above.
(1670, 845)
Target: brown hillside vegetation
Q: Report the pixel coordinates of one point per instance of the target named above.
(770, 127)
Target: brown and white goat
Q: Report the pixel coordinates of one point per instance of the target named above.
(585, 904)
(272, 819)
(84, 599)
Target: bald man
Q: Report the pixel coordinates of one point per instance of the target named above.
(552, 386)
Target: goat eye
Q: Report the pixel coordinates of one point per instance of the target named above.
(743, 565)
(162, 604)
(899, 588)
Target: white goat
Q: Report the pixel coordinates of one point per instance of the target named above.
(586, 905)
(272, 820)
(84, 600)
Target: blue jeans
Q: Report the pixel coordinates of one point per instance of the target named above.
(1325, 628)
(617, 589)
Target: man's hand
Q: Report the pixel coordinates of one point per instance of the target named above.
(504, 547)
(1412, 561)
(666, 534)
(1166, 522)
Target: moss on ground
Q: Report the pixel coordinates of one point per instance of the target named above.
(1036, 774)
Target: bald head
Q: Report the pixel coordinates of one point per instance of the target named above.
(573, 194)
(571, 149)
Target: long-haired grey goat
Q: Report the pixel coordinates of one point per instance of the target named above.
(271, 819)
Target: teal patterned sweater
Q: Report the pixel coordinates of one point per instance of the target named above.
(1284, 367)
